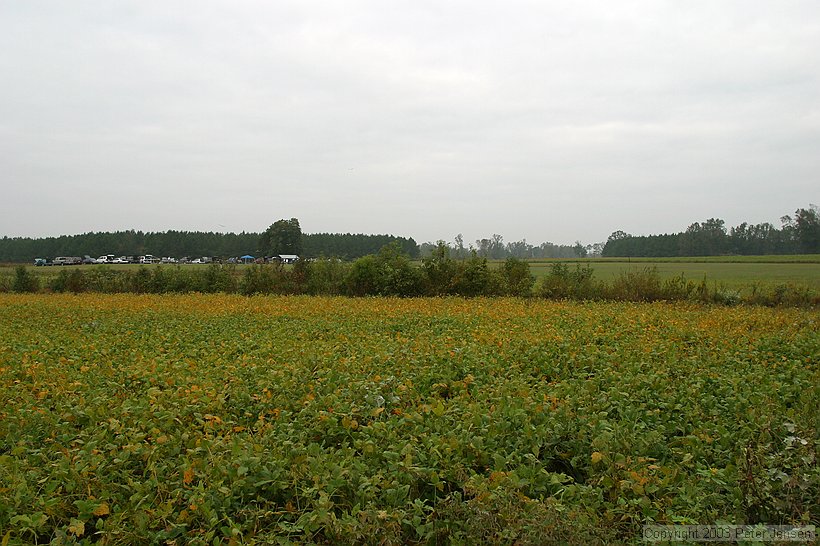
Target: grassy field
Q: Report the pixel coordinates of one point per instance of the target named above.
(770, 258)
(736, 275)
(128, 419)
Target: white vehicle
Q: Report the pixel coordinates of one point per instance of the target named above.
(148, 259)
(106, 259)
(120, 260)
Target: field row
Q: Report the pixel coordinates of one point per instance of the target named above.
(391, 274)
(133, 419)
(735, 273)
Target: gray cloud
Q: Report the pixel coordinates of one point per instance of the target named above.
(550, 121)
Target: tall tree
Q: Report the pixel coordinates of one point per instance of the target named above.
(807, 227)
(580, 250)
(459, 247)
(282, 237)
(497, 250)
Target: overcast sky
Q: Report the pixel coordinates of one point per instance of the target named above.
(545, 120)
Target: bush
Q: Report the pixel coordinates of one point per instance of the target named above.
(440, 272)
(68, 282)
(298, 277)
(326, 277)
(258, 279)
(516, 278)
(159, 282)
(389, 273)
(363, 277)
(141, 281)
(726, 296)
(637, 285)
(563, 283)
(25, 280)
(473, 277)
(679, 289)
(784, 295)
(106, 280)
(217, 278)
(397, 275)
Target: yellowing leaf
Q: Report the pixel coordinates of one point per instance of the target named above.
(102, 510)
(352, 424)
(188, 476)
(439, 408)
(76, 528)
(597, 457)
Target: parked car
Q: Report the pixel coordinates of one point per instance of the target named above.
(67, 260)
(41, 262)
(106, 259)
(88, 260)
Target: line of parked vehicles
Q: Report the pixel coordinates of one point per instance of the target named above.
(112, 259)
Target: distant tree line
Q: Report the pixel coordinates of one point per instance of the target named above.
(349, 246)
(285, 238)
(799, 234)
(495, 248)
(129, 243)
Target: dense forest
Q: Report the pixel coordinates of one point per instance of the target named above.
(798, 234)
(350, 246)
(191, 244)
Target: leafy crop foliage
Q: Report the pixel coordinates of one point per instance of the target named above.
(137, 419)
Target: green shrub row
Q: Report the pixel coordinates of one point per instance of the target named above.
(391, 273)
